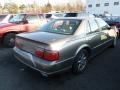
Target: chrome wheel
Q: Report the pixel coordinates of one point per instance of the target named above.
(80, 62)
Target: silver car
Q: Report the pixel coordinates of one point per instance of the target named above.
(64, 43)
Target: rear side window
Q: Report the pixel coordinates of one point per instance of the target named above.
(32, 18)
(93, 25)
(87, 27)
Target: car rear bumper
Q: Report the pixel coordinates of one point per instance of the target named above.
(44, 67)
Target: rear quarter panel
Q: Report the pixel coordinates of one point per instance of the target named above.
(71, 48)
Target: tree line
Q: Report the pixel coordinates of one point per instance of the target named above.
(35, 8)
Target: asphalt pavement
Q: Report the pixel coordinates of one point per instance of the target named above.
(103, 73)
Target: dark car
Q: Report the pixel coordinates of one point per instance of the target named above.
(64, 43)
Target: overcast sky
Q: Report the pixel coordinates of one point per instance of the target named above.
(41, 2)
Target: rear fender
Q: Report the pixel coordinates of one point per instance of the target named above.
(85, 46)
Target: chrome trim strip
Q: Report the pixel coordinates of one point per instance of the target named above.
(102, 43)
(65, 60)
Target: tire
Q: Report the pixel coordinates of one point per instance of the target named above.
(9, 40)
(114, 42)
(80, 62)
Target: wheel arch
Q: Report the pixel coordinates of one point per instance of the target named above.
(8, 33)
(86, 47)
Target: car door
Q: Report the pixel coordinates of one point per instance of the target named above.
(93, 35)
(106, 39)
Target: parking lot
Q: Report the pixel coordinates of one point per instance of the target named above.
(103, 73)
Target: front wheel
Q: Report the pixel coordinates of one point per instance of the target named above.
(9, 40)
(80, 62)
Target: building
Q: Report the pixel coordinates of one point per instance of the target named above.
(103, 6)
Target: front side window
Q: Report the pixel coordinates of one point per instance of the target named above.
(102, 24)
(17, 18)
(61, 26)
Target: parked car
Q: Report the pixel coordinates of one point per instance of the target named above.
(51, 16)
(80, 14)
(64, 43)
(7, 18)
(19, 24)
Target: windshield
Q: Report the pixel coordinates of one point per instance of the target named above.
(18, 18)
(61, 26)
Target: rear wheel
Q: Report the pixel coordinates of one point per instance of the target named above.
(80, 63)
(9, 40)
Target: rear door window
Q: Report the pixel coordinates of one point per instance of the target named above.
(32, 18)
(93, 25)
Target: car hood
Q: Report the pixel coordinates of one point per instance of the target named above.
(4, 25)
(45, 37)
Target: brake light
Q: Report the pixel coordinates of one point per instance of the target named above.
(39, 54)
(51, 56)
(47, 55)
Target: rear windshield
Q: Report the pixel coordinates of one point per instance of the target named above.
(61, 26)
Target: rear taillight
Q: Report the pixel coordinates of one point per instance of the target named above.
(39, 54)
(51, 56)
(48, 55)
